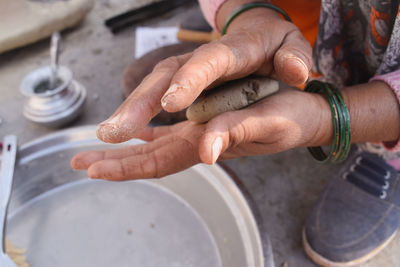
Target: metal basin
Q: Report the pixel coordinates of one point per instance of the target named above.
(198, 217)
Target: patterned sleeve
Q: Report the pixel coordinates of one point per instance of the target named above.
(210, 9)
(393, 80)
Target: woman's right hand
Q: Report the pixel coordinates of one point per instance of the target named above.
(258, 41)
(290, 118)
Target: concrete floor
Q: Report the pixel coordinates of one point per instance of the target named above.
(284, 186)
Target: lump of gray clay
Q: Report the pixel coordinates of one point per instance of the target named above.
(231, 96)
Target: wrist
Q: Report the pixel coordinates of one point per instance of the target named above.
(246, 18)
(341, 142)
(322, 133)
(373, 110)
(309, 115)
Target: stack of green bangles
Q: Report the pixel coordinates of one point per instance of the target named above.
(341, 124)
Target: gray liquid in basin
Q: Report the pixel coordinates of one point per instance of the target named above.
(97, 223)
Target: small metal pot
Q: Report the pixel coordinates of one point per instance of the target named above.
(53, 107)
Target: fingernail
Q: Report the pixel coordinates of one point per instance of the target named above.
(216, 148)
(170, 92)
(172, 89)
(298, 61)
(293, 69)
(164, 101)
(111, 133)
(92, 174)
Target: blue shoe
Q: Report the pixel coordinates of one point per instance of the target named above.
(357, 215)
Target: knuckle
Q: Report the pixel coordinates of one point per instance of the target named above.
(220, 61)
(125, 168)
(189, 146)
(151, 107)
(249, 57)
(152, 166)
(238, 133)
(146, 78)
(208, 69)
(136, 149)
(148, 167)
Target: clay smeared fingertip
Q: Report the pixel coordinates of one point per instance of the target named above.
(102, 131)
(112, 133)
(109, 133)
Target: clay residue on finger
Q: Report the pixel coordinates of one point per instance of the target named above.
(113, 133)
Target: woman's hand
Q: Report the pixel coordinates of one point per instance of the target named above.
(285, 120)
(258, 41)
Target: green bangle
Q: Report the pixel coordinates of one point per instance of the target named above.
(341, 143)
(248, 6)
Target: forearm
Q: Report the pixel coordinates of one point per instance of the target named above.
(374, 114)
(217, 11)
(252, 15)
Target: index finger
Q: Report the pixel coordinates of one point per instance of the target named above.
(142, 105)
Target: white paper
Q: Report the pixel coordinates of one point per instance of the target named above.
(148, 39)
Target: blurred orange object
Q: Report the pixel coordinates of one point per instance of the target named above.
(304, 14)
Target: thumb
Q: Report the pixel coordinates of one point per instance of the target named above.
(142, 105)
(229, 130)
(293, 60)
